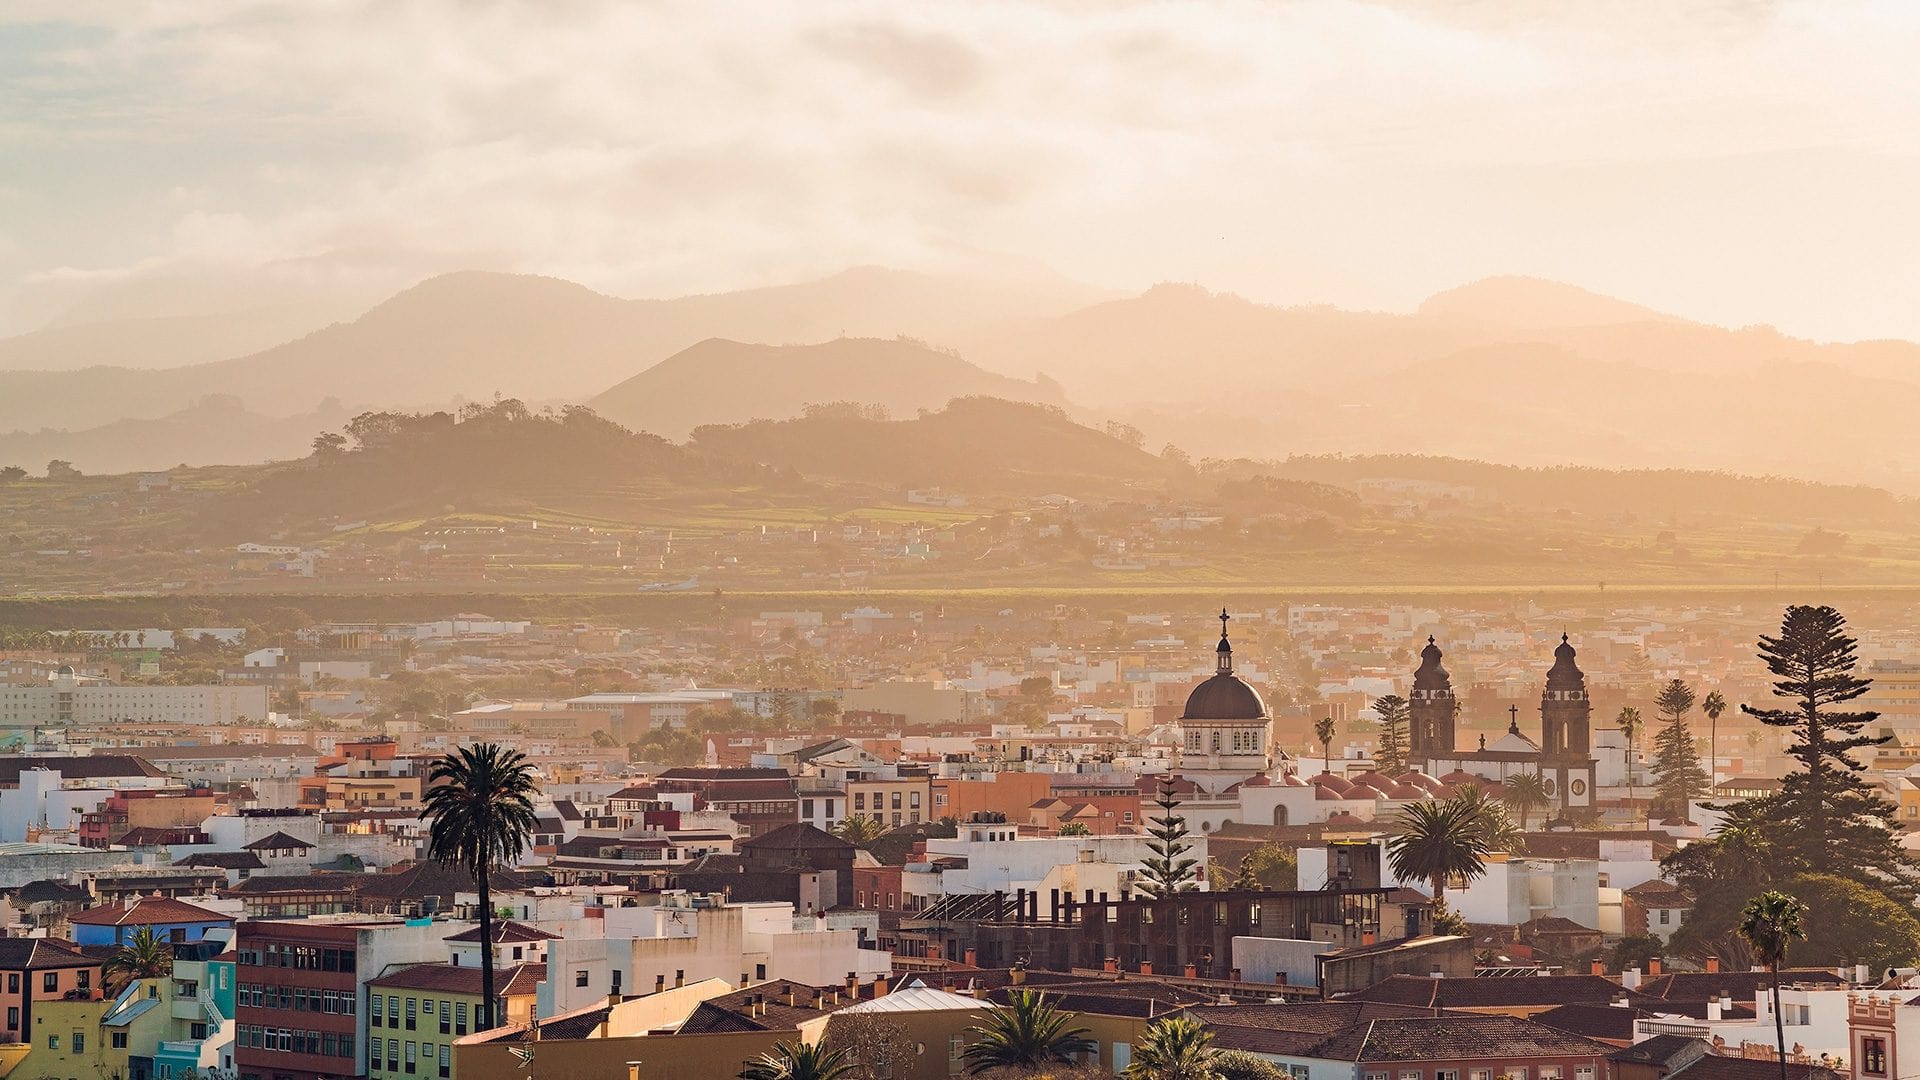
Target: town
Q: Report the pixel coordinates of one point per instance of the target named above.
(1303, 840)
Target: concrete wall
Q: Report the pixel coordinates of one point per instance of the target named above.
(1268, 959)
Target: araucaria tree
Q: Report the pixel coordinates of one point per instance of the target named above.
(1391, 709)
(480, 810)
(1838, 825)
(1681, 779)
(1168, 870)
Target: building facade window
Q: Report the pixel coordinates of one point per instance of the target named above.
(1873, 1056)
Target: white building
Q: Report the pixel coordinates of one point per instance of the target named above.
(687, 938)
(68, 700)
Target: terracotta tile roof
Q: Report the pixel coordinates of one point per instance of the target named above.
(278, 841)
(83, 767)
(225, 860)
(506, 930)
(32, 954)
(515, 981)
(1739, 985)
(1455, 1037)
(148, 911)
(730, 1012)
(797, 834)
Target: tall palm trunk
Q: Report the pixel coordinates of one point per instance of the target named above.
(486, 952)
(1779, 1021)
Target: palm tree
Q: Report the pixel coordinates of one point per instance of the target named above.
(1769, 922)
(1629, 723)
(143, 956)
(1525, 791)
(859, 830)
(1323, 730)
(1713, 705)
(798, 1061)
(481, 808)
(1176, 1048)
(1435, 842)
(1026, 1034)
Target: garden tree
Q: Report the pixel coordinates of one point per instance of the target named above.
(797, 1061)
(1637, 951)
(61, 470)
(1713, 705)
(1391, 709)
(1074, 828)
(873, 1042)
(1436, 842)
(1027, 1034)
(666, 746)
(1272, 865)
(11, 474)
(480, 814)
(1037, 689)
(1839, 825)
(1167, 868)
(1323, 731)
(860, 830)
(1681, 779)
(1721, 873)
(1856, 925)
(1240, 1065)
(1176, 1048)
(604, 739)
(144, 956)
(824, 710)
(1525, 792)
(1770, 922)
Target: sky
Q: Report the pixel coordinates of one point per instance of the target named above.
(1738, 161)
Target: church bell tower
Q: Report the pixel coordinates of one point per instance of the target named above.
(1431, 709)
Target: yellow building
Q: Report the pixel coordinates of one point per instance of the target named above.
(891, 802)
(97, 1037)
(415, 1013)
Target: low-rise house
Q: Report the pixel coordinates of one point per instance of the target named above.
(424, 1008)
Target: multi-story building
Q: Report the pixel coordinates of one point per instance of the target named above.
(758, 800)
(67, 700)
(891, 801)
(415, 1013)
(38, 970)
(298, 990)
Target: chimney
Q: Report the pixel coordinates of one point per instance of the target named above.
(1630, 979)
(1713, 1010)
(1112, 963)
(1017, 976)
(1713, 965)
(979, 992)
(1234, 975)
(1146, 967)
(880, 987)
(660, 983)
(1436, 973)
(1861, 974)
(971, 958)
(1366, 937)
(679, 978)
(853, 985)
(1599, 967)
(790, 997)
(1653, 966)
(1192, 971)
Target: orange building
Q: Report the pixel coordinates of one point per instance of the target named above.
(40, 969)
(1007, 793)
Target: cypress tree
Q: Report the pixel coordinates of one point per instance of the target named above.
(1168, 870)
(1832, 822)
(1681, 779)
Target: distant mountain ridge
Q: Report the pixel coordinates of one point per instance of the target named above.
(722, 382)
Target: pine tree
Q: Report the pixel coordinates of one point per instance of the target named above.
(1392, 711)
(1833, 822)
(1681, 779)
(1168, 870)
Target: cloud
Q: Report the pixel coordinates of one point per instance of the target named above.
(1363, 153)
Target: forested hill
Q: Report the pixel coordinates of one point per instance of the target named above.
(973, 444)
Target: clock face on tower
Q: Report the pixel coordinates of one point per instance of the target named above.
(1578, 787)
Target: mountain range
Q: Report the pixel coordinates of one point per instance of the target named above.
(1515, 370)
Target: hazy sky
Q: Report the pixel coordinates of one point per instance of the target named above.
(1739, 161)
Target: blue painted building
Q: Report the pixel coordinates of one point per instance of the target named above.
(172, 921)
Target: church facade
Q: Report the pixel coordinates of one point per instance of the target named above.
(1563, 758)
